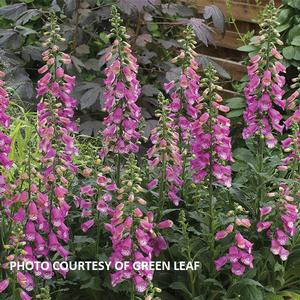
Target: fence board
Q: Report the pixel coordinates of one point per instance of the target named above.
(238, 10)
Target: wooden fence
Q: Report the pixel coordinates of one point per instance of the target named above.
(244, 13)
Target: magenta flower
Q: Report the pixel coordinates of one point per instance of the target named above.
(284, 254)
(223, 233)
(263, 92)
(237, 269)
(275, 247)
(165, 224)
(164, 156)
(281, 237)
(24, 295)
(5, 140)
(121, 134)
(3, 285)
(211, 144)
(134, 235)
(87, 225)
(233, 254)
(288, 215)
(243, 222)
(246, 259)
(265, 210)
(263, 226)
(239, 254)
(220, 262)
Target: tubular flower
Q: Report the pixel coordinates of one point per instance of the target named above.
(291, 144)
(211, 144)
(185, 98)
(184, 91)
(134, 235)
(281, 232)
(91, 211)
(164, 155)
(122, 92)
(46, 206)
(264, 90)
(5, 140)
(239, 255)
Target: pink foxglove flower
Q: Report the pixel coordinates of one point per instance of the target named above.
(164, 156)
(3, 285)
(264, 90)
(285, 218)
(5, 140)
(220, 262)
(134, 235)
(184, 91)
(239, 255)
(291, 144)
(243, 222)
(121, 134)
(211, 143)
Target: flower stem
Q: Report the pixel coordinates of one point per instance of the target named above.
(118, 170)
(162, 197)
(132, 293)
(260, 189)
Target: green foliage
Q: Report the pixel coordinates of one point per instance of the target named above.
(290, 30)
(84, 25)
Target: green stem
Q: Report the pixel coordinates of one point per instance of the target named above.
(132, 292)
(118, 170)
(210, 186)
(29, 171)
(98, 233)
(260, 190)
(191, 274)
(162, 196)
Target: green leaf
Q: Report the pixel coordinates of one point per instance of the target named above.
(284, 15)
(247, 48)
(295, 3)
(94, 284)
(250, 292)
(297, 53)
(251, 282)
(293, 32)
(182, 287)
(243, 154)
(296, 41)
(104, 37)
(292, 295)
(236, 102)
(235, 113)
(170, 210)
(274, 297)
(238, 166)
(288, 52)
(283, 27)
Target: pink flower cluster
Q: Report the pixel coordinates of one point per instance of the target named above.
(292, 143)
(165, 155)
(134, 235)
(122, 92)
(211, 142)
(283, 229)
(5, 140)
(185, 97)
(42, 209)
(263, 93)
(138, 248)
(239, 255)
(85, 201)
